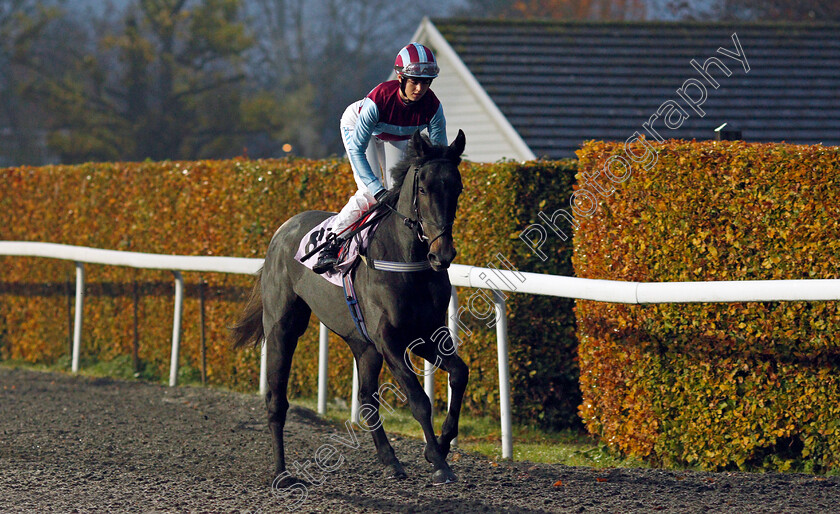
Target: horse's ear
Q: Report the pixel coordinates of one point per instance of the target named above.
(421, 147)
(457, 146)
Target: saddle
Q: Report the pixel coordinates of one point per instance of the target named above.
(352, 248)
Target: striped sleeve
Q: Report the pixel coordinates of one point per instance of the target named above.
(437, 127)
(358, 143)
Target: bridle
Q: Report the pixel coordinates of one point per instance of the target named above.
(416, 223)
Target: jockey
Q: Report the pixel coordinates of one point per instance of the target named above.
(376, 130)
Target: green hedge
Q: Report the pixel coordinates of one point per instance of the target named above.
(231, 208)
(498, 201)
(713, 385)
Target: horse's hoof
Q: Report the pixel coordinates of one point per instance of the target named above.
(285, 480)
(443, 476)
(395, 471)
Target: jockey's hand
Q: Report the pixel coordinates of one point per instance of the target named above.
(381, 195)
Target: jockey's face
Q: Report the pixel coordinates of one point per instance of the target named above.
(415, 88)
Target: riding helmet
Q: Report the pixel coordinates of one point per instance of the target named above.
(416, 61)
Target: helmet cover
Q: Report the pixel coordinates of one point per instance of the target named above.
(416, 61)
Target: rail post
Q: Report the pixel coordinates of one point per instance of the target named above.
(176, 328)
(263, 368)
(77, 322)
(504, 375)
(354, 401)
(323, 357)
(429, 384)
(452, 322)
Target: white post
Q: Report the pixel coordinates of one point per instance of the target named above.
(429, 384)
(176, 328)
(354, 402)
(504, 375)
(323, 356)
(453, 331)
(263, 368)
(77, 323)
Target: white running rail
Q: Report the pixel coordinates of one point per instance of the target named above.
(460, 275)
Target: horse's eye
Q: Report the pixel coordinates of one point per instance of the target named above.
(422, 191)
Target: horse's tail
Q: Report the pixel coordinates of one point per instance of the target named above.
(249, 327)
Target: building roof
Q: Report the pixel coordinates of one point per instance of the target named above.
(561, 83)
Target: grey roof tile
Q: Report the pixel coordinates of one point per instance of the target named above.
(560, 83)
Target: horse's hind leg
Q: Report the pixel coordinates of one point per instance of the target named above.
(281, 341)
(370, 398)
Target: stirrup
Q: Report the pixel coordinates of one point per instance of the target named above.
(327, 258)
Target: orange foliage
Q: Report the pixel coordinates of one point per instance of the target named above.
(580, 9)
(231, 208)
(715, 385)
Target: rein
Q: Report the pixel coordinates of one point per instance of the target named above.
(417, 224)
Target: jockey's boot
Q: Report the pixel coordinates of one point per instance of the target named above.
(328, 257)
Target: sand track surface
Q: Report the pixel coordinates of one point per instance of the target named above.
(80, 444)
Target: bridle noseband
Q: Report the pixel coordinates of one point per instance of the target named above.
(416, 223)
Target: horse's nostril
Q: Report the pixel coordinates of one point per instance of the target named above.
(435, 259)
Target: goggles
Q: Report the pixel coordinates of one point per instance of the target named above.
(421, 70)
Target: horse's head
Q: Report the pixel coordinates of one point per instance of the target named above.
(435, 185)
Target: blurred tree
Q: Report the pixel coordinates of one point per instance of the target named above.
(21, 24)
(758, 10)
(184, 79)
(316, 57)
(167, 85)
(558, 9)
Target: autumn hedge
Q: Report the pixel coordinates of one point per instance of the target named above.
(231, 208)
(713, 385)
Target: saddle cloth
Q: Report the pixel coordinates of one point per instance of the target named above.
(346, 258)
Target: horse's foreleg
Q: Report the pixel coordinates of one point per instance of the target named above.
(370, 364)
(421, 409)
(458, 376)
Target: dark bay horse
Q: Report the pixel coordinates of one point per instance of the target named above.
(398, 308)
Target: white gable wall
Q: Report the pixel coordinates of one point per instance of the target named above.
(490, 137)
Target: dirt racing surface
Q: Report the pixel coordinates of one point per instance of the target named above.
(78, 444)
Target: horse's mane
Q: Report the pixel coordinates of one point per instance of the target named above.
(412, 158)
